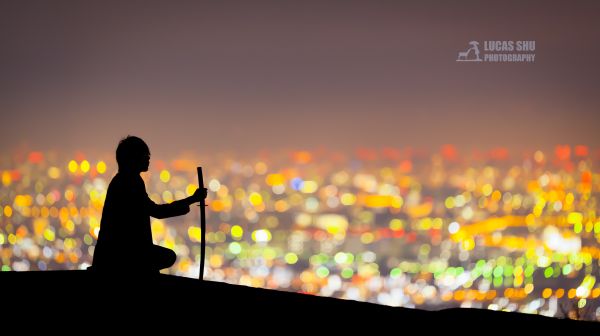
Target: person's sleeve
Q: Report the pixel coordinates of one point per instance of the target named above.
(173, 209)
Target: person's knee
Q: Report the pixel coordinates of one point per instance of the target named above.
(171, 257)
(163, 257)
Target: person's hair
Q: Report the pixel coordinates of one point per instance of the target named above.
(129, 151)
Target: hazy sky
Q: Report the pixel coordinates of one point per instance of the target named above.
(247, 75)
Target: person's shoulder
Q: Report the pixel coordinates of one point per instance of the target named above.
(129, 180)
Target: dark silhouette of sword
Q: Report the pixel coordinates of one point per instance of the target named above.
(202, 224)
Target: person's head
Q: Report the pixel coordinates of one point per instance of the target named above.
(133, 155)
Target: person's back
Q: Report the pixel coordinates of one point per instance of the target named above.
(125, 233)
(125, 238)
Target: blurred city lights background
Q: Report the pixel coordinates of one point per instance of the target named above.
(394, 226)
(346, 153)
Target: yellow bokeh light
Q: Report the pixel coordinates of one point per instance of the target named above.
(190, 189)
(237, 232)
(217, 205)
(215, 261)
(530, 219)
(165, 176)
(518, 281)
(487, 189)
(54, 172)
(332, 223)
(496, 195)
(158, 227)
(574, 218)
(184, 265)
(101, 167)
(291, 258)
(367, 238)
(546, 293)
(569, 199)
(8, 211)
(23, 200)
(529, 288)
(348, 199)
(275, 179)
(255, 198)
(195, 233)
(396, 202)
(447, 296)
(93, 222)
(69, 195)
(459, 295)
(378, 201)
(94, 195)
(73, 166)
(6, 179)
(49, 234)
(396, 224)
(468, 244)
(85, 166)
(70, 225)
(309, 187)
(70, 243)
(26, 212)
(571, 293)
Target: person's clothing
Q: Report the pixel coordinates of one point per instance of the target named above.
(162, 257)
(125, 237)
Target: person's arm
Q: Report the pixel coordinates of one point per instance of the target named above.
(176, 208)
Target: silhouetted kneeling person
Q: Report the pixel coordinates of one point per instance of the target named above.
(125, 239)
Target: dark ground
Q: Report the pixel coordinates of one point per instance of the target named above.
(57, 300)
